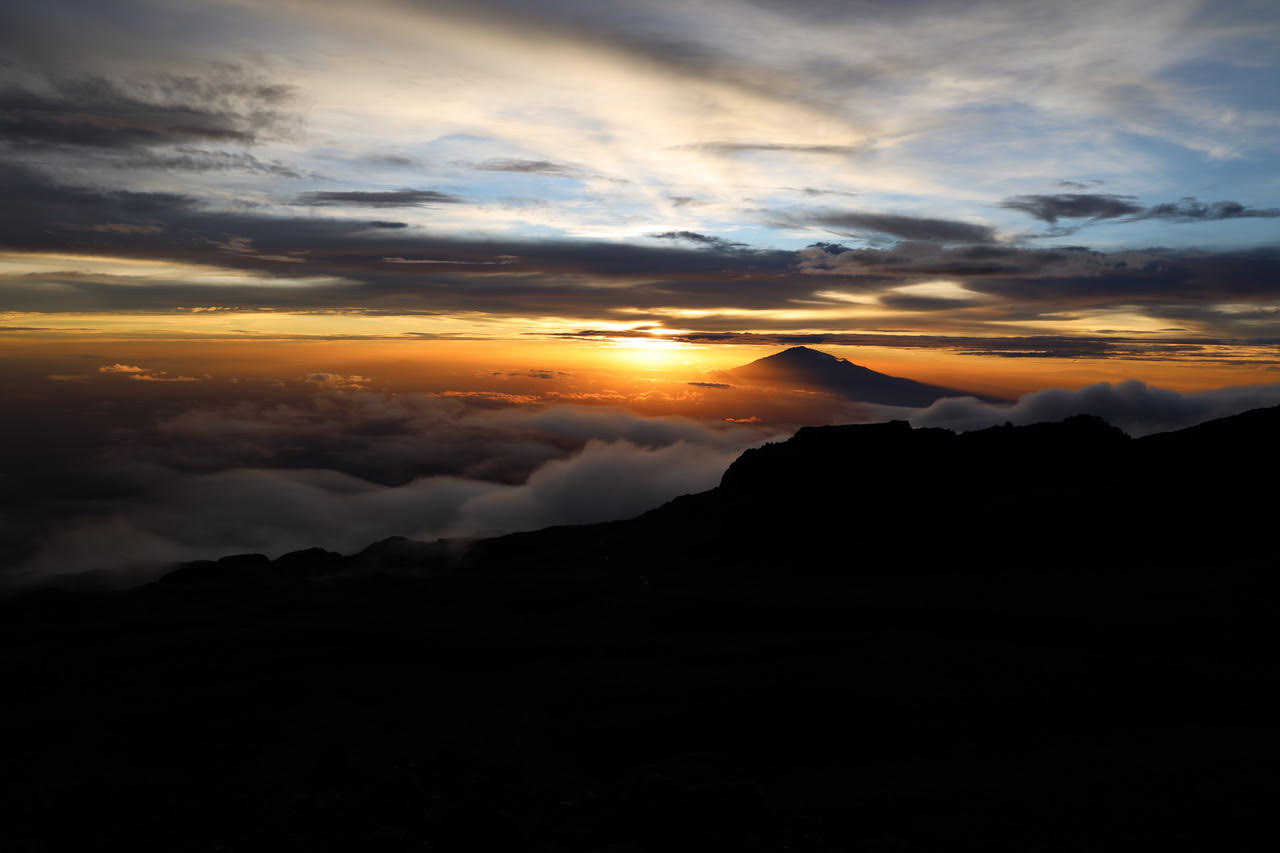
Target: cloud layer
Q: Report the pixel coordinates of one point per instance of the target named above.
(1136, 407)
(341, 470)
(1189, 304)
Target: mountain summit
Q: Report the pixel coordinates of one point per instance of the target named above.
(815, 369)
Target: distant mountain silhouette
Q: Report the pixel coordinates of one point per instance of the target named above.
(811, 368)
(872, 637)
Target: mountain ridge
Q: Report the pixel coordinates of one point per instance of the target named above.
(867, 637)
(1038, 475)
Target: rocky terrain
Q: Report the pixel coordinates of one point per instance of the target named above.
(1047, 638)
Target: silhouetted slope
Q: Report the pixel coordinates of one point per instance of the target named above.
(818, 370)
(887, 497)
(872, 637)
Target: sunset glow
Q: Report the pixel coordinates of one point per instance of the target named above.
(639, 426)
(472, 216)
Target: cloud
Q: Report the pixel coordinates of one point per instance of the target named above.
(531, 374)
(1110, 346)
(528, 167)
(700, 240)
(144, 374)
(161, 377)
(709, 385)
(1191, 209)
(338, 380)
(226, 104)
(386, 198)
(813, 191)
(274, 511)
(584, 489)
(1137, 408)
(348, 266)
(854, 223)
(341, 471)
(1051, 208)
(402, 161)
(730, 148)
(500, 260)
(185, 159)
(390, 439)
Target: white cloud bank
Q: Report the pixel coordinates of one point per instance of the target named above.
(1134, 406)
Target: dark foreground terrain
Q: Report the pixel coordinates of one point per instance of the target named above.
(1047, 638)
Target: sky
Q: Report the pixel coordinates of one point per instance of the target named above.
(251, 213)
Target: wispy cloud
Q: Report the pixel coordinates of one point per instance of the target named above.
(1099, 207)
(858, 223)
(729, 148)
(379, 198)
(528, 167)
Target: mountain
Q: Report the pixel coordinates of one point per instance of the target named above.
(811, 368)
(872, 637)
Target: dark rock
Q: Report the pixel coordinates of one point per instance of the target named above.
(866, 638)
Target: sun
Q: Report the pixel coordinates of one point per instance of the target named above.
(651, 352)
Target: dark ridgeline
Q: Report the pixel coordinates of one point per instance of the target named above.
(1051, 638)
(810, 368)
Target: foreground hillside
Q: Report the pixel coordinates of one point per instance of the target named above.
(867, 638)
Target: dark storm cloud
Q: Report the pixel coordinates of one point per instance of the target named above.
(528, 167)
(854, 223)
(374, 198)
(227, 105)
(1051, 208)
(1078, 185)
